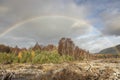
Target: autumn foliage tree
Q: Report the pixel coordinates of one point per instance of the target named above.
(67, 47)
(4, 48)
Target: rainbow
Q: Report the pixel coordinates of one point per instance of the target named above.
(18, 24)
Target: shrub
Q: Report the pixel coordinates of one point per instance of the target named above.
(7, 58)
(51, 57)
(35, 57)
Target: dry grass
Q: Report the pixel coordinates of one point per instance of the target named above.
(67, 71)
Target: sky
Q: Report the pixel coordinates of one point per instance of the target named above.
(92, 24)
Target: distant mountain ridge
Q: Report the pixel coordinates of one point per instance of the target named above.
(111, 50)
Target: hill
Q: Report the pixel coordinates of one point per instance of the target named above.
(111, 50)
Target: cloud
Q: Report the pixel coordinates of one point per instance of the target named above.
(112, 21)
(3, 10)
(19, 41)
(49, 30)
(96, 43)
(104, 15)
(25, 9)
